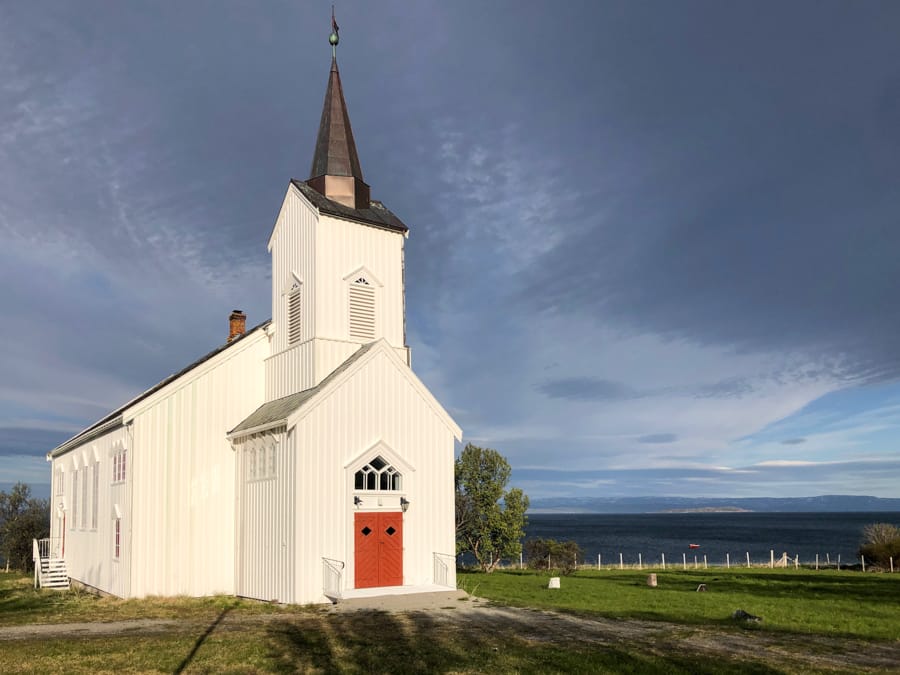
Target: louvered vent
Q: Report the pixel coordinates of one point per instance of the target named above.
(362, 311)
(294, 316)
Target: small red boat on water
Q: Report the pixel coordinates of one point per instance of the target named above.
(693, 545)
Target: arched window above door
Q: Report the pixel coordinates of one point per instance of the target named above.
(378, 475)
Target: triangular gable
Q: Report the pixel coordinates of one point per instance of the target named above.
(381, 346)
(289, 410)
(384, 450)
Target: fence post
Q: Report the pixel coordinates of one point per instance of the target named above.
(684, 560)
(839, 561)
(704, 562)
(548, 561)
(863, 559)
(664, 561)
(599, 559)
(892, 564)
(521, 566)
(748, 559)
(640, 562)
(772, 559)
(728, 561)
(828, 559)
(796, 561)
(621, 564)
(817, 562)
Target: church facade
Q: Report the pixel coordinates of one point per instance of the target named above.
(303, 460)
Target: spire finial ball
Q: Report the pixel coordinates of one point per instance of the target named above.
(333, 39)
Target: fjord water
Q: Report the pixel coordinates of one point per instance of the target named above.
(734, 533)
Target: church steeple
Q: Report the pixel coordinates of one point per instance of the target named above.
(336, 172)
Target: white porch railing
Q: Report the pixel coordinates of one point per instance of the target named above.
(443, 564)
(332, 577)
(49, 566)
(49, 548)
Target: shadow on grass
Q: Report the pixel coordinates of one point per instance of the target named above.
(200, 640)
(380, 642)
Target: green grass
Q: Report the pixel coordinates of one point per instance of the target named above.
(365, 642)
(21, 603)
(228, 635)
(836, 603)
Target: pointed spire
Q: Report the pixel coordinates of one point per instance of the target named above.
(336, 172)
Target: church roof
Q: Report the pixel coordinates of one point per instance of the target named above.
(335, 153)
(273, 412)
(115, 418)
(377, 214)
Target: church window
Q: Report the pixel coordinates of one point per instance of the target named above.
(260, 460)
(59, 481)
(362, 309)
(119, 461)
(117, 538)
(84, 496)
(74, 520)
(96, 495)
(378, 475)
(293, 311)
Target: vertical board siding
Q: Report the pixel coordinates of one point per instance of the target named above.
(183, 502)
(293, 252)
(343, 247)
(89, 551)
(265, 525)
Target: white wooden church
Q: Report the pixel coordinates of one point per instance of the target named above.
(302, 460)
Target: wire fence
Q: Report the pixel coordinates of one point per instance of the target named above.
(695, 561)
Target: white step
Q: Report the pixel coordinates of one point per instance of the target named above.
(54, 573)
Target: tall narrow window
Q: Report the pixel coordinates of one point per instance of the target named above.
(362, 309)
(96, 495)
(117, 538)
(119, 466)
(74, 520)
(293, 310)
(84, 496)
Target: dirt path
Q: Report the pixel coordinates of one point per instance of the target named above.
(459, 619)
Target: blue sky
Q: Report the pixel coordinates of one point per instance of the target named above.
(653, 245)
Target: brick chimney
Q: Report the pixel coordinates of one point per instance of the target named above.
(237, 324)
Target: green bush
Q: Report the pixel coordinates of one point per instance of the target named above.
(881, 542)
(558, 556)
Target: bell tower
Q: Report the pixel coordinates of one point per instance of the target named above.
(337, 261)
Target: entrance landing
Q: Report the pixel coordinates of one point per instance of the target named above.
(400, 598)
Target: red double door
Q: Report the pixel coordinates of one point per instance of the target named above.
(379, 549)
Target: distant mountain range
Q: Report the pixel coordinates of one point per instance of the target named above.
(823, 503)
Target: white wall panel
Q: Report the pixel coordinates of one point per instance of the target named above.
(183, 501)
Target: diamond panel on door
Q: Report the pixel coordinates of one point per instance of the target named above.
(390, 564)
(366, 546)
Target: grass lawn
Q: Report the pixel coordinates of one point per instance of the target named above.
(839, 603)
(225, 634)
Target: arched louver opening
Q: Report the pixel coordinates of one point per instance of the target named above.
(293, 312)
(361, 302)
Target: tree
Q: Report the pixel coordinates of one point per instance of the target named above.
(21, 520)
(562, 556)
(484, 528)
(881, 542)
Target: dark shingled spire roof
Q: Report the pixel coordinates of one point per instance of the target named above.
(336, 172)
